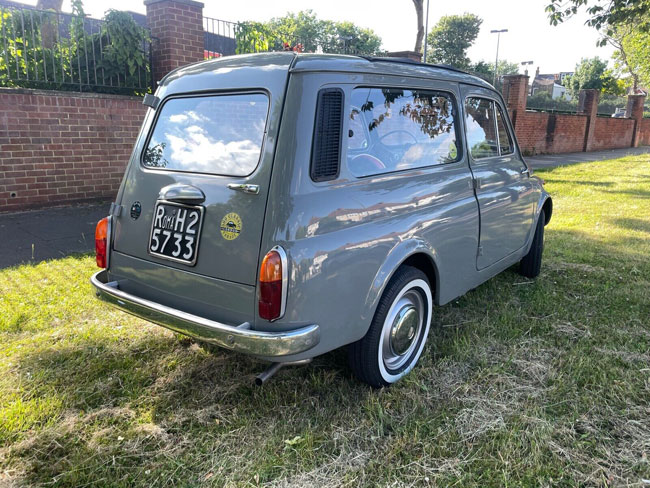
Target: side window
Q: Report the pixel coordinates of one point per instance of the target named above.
(481, 128)
(394, 129)
(357, 138)
(505, 141)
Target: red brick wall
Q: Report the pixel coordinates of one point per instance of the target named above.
(540, 132)
(610, 133)
(531, 131)
(60, 147)
(177, 27)
(644, 134)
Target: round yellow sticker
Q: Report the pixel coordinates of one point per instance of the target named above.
(231, 226)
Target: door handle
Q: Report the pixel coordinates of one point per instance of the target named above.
(182, 193)
(525, 171)
(245, 188)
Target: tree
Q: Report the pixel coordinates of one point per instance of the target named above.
(592, 74)
(632, 55)
(346, 37)
(485, 69)
(604, 14)
(451, 37)
(307, 30)
(419, 12)
(304, 28)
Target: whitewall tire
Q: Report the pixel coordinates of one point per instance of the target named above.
(398, 332)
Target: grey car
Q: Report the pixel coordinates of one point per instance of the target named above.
(284, 205)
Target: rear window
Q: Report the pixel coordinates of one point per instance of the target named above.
(217, 134)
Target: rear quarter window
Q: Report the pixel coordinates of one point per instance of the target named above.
(396, 129)
(216, 134)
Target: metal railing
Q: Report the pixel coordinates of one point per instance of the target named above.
(224, 38)
(53, 50)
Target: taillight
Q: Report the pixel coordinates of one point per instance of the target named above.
(273, 284)
(101, 238)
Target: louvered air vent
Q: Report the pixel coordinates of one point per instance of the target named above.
(326, 148)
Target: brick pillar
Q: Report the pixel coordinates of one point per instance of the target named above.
(515, 94)
(588, 105)
(634, 110)
(177, 29)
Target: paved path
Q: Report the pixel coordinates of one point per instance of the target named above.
(51, 233)
(56, 232)
(554, 160)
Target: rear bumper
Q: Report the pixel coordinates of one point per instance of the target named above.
(237, 338)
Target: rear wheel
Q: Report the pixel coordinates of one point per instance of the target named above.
(398, 332)
(531, 264)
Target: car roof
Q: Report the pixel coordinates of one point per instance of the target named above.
(383, 65)
(305, 62)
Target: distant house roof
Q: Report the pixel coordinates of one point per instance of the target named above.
(543, 81)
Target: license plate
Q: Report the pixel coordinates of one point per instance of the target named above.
(176, 231)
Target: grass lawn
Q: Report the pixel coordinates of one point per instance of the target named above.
(535, 383)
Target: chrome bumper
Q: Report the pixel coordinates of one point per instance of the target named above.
(238, 338)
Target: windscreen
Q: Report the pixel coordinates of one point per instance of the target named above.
(216, 134)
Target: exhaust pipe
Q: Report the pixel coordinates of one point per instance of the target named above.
(265, 375)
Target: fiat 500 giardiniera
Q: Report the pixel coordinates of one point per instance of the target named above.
(283, 205)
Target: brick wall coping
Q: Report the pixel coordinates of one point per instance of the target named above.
(531, 111)
(61, 93)
(191, 3)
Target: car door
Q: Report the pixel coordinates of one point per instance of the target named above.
(503, 189)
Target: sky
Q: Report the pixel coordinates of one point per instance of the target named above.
(529, 36)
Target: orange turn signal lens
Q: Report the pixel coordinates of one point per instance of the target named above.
(271, 269)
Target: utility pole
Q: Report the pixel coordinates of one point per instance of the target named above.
(496, 63)
(426, 33)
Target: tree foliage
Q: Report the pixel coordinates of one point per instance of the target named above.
(34, 55)
(450, 39)
(592, 74)
(632, 55)
(604, 14)
(485, 69)
(304, 31)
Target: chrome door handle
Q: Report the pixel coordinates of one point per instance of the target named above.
(525, 171)
(182, 193)
(245, 188)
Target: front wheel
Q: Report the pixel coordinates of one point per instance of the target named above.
(398, 332)
(531, 264)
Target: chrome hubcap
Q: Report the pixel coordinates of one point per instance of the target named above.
(402, 329)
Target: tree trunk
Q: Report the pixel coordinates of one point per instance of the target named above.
(419, 10)
(49, 24)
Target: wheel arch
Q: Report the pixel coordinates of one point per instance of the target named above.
(416, 253)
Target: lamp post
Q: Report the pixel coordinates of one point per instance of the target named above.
(426, 33)
(526, 63)
(496, 63)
